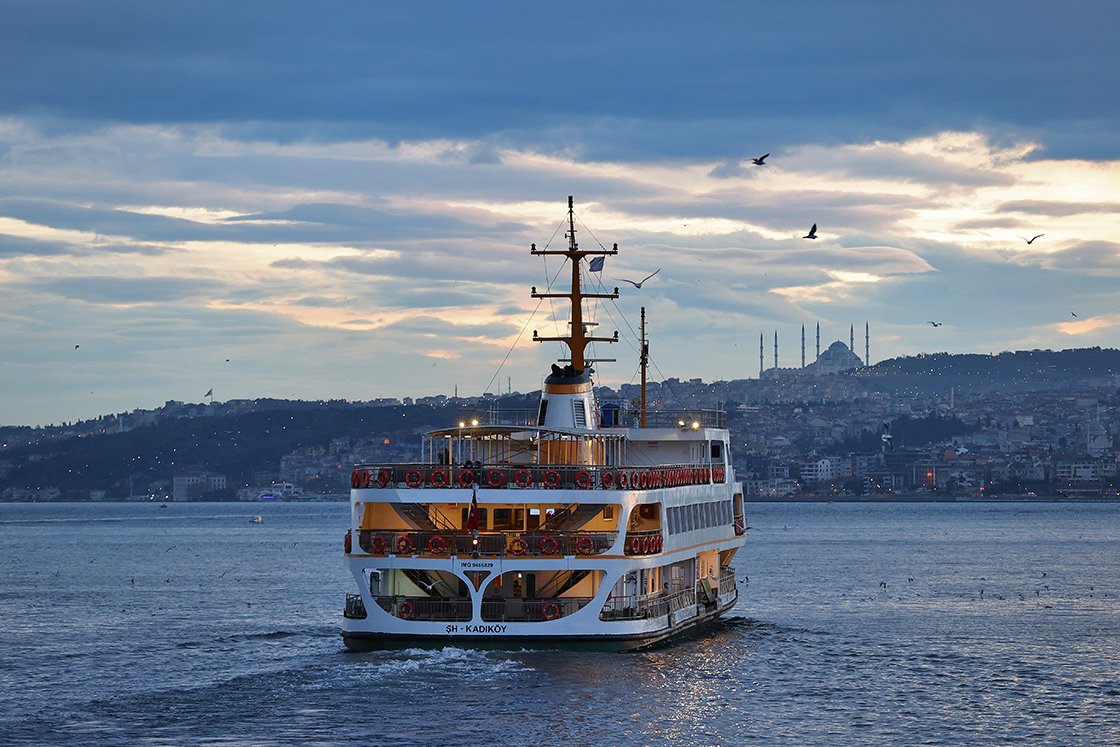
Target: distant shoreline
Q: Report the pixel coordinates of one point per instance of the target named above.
(926, 498)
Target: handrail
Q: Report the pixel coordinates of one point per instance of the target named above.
(535, 543)
(535, 476)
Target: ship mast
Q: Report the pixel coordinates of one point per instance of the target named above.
(577, 339)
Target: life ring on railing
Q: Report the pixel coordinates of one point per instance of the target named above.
(645, 545)
(551, 479)
(438, 478)
(523, 478)
(346, 542)
(607, 479)
(518, 546)
(355, 478)
(583, 479)
(384, 477)
(622, 480)
(551, 611)
(379, 544)
(584, 546)
(413, 478)
(404, 611)
(437, 544)
(466, 478)
(404, 545)
(636, 546)
(635, 481)
(658, 543)
(549, 546)
(496, 478)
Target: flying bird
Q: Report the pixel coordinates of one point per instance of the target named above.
(812, 233)
(77, 346)
(887, 438)
(936, 324)
(1073, 315)
(639, 283)
(1031, 240)
(761, 160)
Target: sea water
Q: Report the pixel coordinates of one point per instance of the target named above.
(892, 623)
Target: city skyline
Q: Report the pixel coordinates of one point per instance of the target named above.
(339, 203)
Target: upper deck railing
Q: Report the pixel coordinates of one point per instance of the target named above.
(612, 414)
(581, 477)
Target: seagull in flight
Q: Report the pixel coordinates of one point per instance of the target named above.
(639, 283)
(936, 324)
(812, 233)
(761, 160)
(1073, 314)
(1031, 240)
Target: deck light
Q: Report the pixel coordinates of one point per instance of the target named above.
(462, 424)
(695, 425)
(474, 421)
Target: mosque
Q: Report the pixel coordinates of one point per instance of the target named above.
(838, 357)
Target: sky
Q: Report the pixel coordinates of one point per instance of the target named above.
(337, 200)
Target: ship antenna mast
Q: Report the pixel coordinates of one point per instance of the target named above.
(577, 339)
(644, 364)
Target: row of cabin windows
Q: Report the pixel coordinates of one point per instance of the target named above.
(699, 516)
(514, 518)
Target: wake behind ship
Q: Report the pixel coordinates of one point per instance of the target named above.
(590, 525)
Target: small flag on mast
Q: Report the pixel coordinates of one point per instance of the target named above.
(597, 264)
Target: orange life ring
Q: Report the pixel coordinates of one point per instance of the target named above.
(437, 544)
(518, 546)
(549, 546)
(635, 481)
(413, 478)
(346, 542)
(496, 478)
(551, 479)
(636, 546)
(466, 478)
(583, 479)
(551, 611)
(622, 480)
(438, 478)
(404, 545)
(523, 478)
(584, 546)
(404, 611)
(645, 545)
(355, 479)
(384, 477)
(379, 544)
(607, 479)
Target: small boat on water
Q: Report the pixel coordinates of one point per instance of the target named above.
(582, 525)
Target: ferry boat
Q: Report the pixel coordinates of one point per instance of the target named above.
(588, 525)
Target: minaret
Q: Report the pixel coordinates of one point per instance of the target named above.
(852, 339)
(818, 349)
(760, 363)
(569, 388)
(775, 351)
(802, 346)
(867, 344)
